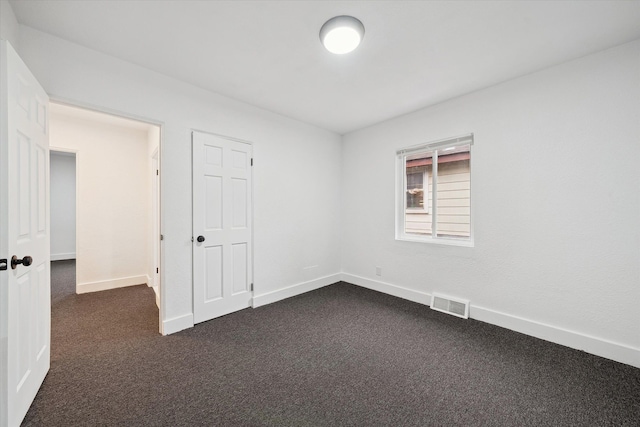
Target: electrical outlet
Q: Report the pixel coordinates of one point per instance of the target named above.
(378, 271)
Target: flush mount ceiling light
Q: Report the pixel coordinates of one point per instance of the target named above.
(341, 34)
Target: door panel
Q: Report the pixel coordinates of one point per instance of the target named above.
(240, 196)
(213, 273)
(222, 216)
(240, 268)
(213, 202)
(25, 295)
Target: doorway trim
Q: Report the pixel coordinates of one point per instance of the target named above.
(155, 203)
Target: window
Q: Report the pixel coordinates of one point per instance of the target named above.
(434, 192)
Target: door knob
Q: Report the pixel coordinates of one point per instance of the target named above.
(200, 239)
(26, 261)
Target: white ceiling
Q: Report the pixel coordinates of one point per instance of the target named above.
(268, 53)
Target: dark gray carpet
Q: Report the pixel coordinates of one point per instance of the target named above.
(338, 356)
(63, 280)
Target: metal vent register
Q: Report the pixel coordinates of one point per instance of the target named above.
(450, 305)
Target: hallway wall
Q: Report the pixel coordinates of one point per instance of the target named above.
(63, 205)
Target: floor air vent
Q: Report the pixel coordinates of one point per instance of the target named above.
(454, 306)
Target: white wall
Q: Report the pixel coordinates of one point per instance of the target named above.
(62, 171)
(9, 26)
(555, 203)
(113, 188)
(296, 173)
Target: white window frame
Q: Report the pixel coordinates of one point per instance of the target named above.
(401, 202)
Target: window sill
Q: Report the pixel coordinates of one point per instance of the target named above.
(436, 241)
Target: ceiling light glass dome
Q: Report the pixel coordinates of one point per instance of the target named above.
(341, 34)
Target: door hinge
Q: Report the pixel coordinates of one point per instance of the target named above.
(252, 161)
(157, 172)
(161, 237)
(157, 271)
(3, 264)
(252, 287)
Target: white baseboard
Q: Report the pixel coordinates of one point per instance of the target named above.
(62, 257)
(579, 341)
(177, 324)
(155, 288)
(180, 323)
(291, 291)
(103, 285)
(388, 288)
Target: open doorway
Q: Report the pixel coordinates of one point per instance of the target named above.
(62, 173)
(106, 219)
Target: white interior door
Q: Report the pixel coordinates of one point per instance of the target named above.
(25, 295)
(222, 273)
